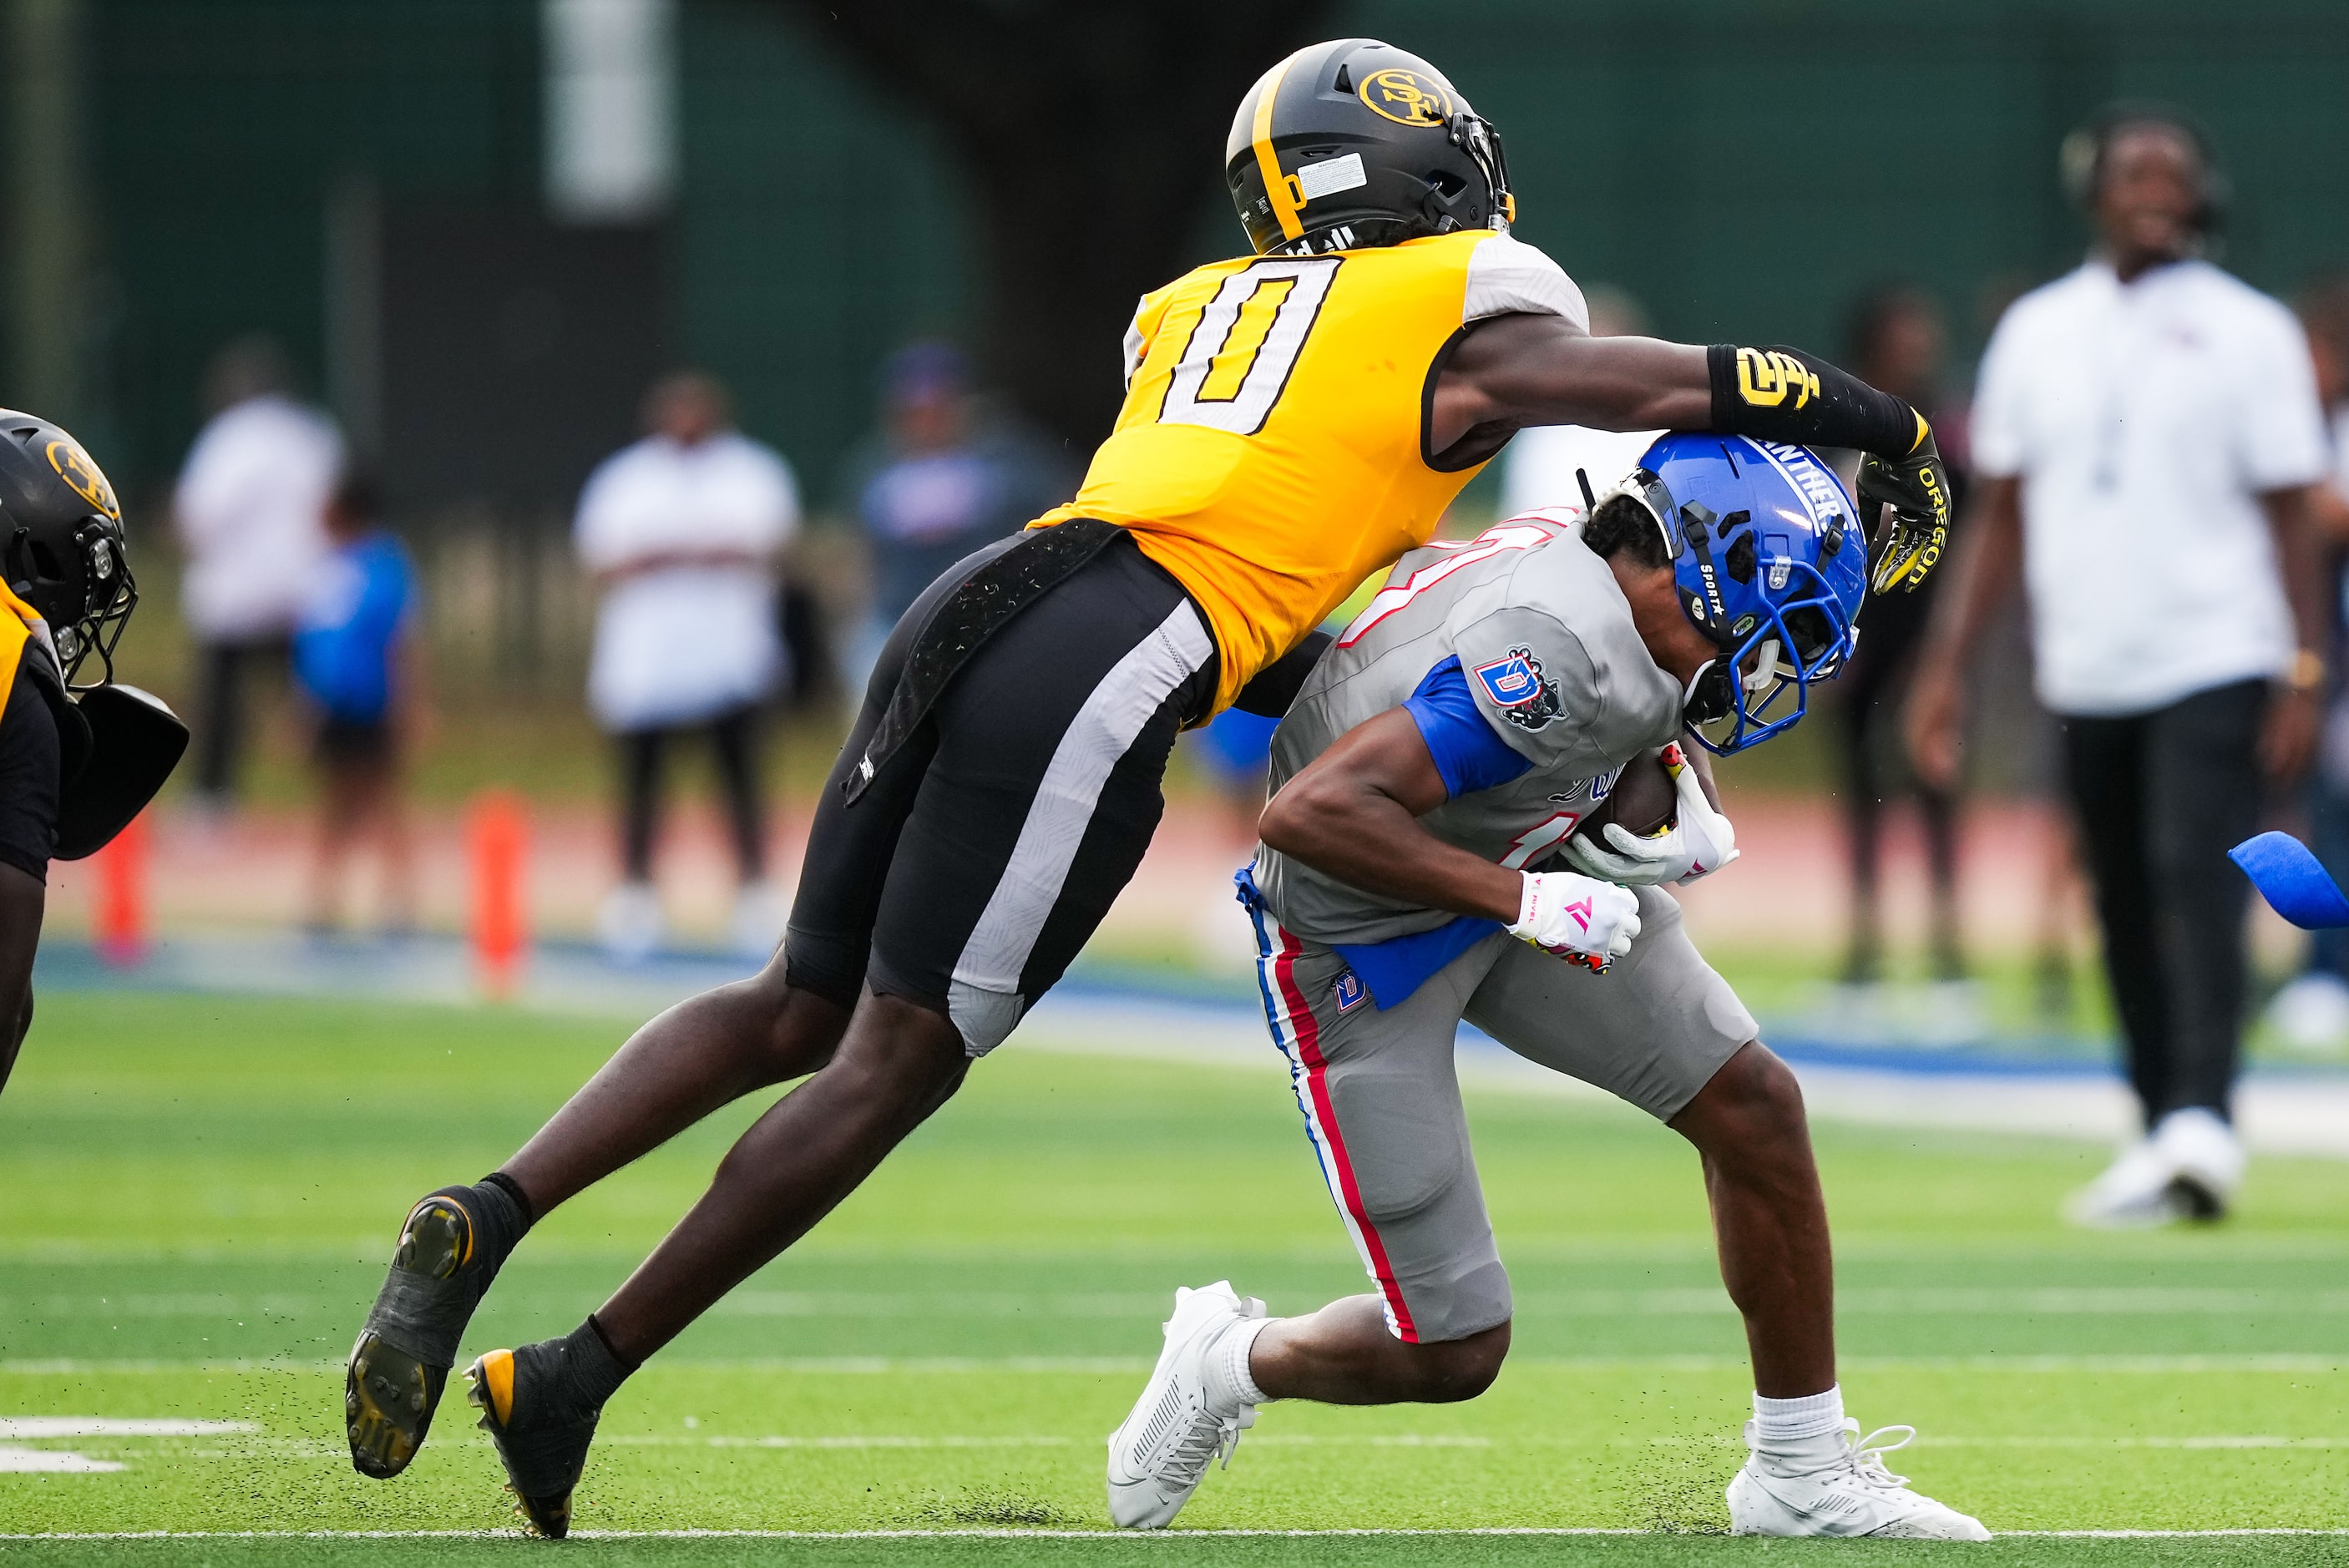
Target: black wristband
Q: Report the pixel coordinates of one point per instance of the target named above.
(1780, 394)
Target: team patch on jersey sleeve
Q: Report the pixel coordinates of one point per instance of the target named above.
(1525, 695)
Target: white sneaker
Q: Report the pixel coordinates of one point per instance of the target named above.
(630, 923)
(2135, 1190)
(2206, 1160)
(2311, 1014)
(1157, 1459)
(1837, 1484)
(759, 912)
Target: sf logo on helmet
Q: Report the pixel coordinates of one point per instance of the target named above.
(1405, 97)
(81, 475)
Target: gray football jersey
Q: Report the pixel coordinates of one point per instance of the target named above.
(1550, 656)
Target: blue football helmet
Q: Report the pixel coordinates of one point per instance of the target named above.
(1771, 566)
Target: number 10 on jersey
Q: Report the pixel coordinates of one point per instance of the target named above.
(1239, 356)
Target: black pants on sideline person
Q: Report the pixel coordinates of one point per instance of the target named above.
(228, 671)
(734, 737)
(2161, 797)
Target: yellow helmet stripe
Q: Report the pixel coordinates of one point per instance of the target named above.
(1276, 184)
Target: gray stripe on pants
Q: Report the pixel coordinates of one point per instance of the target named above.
(984, 998)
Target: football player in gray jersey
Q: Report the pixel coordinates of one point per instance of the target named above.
(1420, 866)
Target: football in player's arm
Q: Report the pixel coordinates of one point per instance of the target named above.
(78, 758)
(1294, 420)
(1421, 866)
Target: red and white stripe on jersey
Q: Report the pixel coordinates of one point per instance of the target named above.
(1483, 547)
(1299, 1036)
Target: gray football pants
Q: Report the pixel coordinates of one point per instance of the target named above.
(1382, 1097)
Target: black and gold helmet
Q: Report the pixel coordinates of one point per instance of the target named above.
(61, 543)
(1356, 143)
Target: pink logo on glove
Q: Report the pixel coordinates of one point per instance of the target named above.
(1580, 910)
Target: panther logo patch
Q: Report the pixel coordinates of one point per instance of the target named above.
(1526, 697)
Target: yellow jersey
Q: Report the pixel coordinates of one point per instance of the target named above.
(1271, 452)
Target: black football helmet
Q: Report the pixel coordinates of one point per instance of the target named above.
(61, 541)
(1356, 143)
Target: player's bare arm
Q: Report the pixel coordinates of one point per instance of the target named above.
(1520, 369)
(23, 897)
(1354, 813)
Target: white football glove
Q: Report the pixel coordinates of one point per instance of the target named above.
(1578, 918)
(1699, 842)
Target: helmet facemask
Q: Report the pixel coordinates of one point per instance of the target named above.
(87, 600)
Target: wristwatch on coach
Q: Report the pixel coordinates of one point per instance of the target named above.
(2307, 672)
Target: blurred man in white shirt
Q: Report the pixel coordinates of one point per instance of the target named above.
(2144, 435)
(248, 509)
(682, 531)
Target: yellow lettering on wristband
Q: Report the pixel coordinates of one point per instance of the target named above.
(1767, 379)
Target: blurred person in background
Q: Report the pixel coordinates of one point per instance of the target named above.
(358, 665)
(944, 476)
(1539, 467)
(2144, 435)
(247, 510)
(2311, 1013)
(1897, 340)
(78, 758)
(683, 532)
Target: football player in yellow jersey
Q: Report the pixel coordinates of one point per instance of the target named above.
(77, 759)
(1294, 420)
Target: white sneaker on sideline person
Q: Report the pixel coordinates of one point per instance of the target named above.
(2311, 1014)
(629, 922)
(1157, 1459)
(756, 928)
(2206, 1160)
(1836, 1484)
(2134, 1193)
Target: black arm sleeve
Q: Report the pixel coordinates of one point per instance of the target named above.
(1779, 393)
(1276, 685)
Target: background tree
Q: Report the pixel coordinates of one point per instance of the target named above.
(1091, 134)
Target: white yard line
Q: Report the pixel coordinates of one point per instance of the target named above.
(17, 1459)
(979, 1534)
(864, 1365)
(115, 1427)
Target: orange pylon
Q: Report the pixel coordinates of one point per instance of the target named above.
(498, 835)
(120, 922)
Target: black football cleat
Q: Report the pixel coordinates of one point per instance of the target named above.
(448, 1252)
(540, 1424)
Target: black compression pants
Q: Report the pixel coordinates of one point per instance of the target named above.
(989, 845)
(2161, 797)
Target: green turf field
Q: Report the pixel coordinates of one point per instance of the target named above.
(200, 1192)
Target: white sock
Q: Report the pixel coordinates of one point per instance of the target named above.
(1229, 1383)
(1780, 1422)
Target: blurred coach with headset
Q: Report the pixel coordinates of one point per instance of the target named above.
(2145, 433)
(77, 761)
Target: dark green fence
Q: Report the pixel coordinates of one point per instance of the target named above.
(1742, 168)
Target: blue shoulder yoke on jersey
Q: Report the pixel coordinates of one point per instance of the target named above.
(1469, 756)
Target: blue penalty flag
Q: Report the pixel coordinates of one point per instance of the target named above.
(2290, 878)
